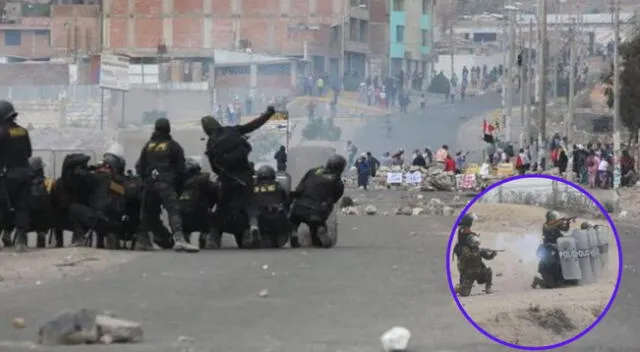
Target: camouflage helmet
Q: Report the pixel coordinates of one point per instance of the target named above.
(552, 215)
(467, 220)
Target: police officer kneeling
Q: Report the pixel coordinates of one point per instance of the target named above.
(15, 178)
(314, 198)
(162, 166)
(198, 197)
(472, 268)
(272, 201)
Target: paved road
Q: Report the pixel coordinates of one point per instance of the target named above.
(436, 127)
(319, 300)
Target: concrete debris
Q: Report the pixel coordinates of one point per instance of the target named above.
(84, 326)
(433, 178)
(345, 202)
(396, 339)
(417, 211)
(404, 211)
(448, 211)
(370, 210)
(350, 211)
(119, 330)
(623, 214)
(263, 293)
(18, 323)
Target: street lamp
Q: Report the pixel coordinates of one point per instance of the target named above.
(344, 18)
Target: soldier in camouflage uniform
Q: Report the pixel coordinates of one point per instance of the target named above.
(552, 229)
(464, 231)
(472, 268)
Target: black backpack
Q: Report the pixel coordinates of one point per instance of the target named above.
(228, 150)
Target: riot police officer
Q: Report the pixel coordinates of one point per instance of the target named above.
(554, 227)
(198, 198)
(549, 266)
(472, 268)
(161, 166)
(40, 209)
(15, 151)
(314, 198)
(273, 205)
(228, 153)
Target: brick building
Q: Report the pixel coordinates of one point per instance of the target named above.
(276, 27)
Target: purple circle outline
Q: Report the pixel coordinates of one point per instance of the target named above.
(559, 344)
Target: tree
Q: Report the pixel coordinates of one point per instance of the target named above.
(629, 87)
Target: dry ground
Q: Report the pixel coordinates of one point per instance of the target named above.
(515, 312)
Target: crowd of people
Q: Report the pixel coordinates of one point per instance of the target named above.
(366, 165)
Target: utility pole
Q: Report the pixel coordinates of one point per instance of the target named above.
(512, 48)
(572, 78)
(453, 51)
(542, 63)
(530, 77)
(616, 102)
(343, 35)
(522, 68)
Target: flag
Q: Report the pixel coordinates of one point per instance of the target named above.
(487, 132)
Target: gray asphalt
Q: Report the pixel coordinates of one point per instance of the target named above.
(438, 125)
(341, 299)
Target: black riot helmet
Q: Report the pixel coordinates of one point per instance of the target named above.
(114, 162)
(266, 173)
(7, 111)
(336, 164)
(163, 125)
(467, 220)
(192, 166)
(36, 163)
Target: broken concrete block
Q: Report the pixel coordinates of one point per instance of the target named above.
(406, 210)
(370, 210)
(448, 211)
(417, 211)
(350, 211)
(70, 328)
(120, 330)
(395, 339)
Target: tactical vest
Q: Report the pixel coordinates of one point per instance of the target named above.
(228, 150)
(158, 157)
(319, 188)
(268, 196)
(190, 197)
(39, 194)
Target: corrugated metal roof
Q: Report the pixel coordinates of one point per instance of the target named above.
(222, 57)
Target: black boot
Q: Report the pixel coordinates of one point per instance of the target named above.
(7, 238)
(77, 239)
(181, 245)
(212, 239)
(255, 236)
(41, 240)
(323, 236)
(143, 242)
(294, 242)
(21, 241)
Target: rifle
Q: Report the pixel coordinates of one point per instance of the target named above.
(568, 219)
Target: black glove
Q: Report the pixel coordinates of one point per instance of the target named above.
(271, 110)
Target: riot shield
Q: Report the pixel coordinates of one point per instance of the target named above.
(284, 179)
(603, 245)
(583, 248)
(568, 256)
(596, 262)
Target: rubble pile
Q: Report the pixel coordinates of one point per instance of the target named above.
(432, 179)
(85, 326)
(417, 207)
